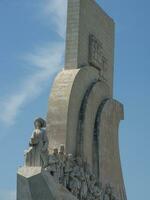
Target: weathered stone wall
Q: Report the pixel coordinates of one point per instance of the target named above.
(65, 101)
(85, 17)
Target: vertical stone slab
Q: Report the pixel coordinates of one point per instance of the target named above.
(94, 96)
(65, 101)
(90, 38)
(108, 121)
(72, 39)
(23, 190)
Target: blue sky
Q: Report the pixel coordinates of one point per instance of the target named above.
(32, 35)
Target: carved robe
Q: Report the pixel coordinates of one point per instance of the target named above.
(37, 154)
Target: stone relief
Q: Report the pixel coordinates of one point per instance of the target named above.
(96, 54)
(72, 172)
(75, 174)
(108, 193)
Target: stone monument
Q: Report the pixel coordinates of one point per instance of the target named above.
(74, 154)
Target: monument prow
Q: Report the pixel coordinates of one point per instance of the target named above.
(75, 153)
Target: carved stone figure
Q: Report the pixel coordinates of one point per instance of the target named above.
(69, 165)
(79, 173)
(97, 193)
(37, 154)
(53, 167)
(84, 188)
(75, 175)
(108, 193)
(62, 160)
(75, 183)
(91, 187)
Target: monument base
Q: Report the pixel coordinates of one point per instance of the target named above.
(34, 183)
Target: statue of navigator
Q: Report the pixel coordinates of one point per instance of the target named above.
(37, 154)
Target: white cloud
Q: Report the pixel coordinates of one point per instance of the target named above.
(55, 10)
(45, 61)
(7, 195)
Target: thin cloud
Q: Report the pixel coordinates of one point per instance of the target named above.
(45, 62)
(55, 11)
(7, 195)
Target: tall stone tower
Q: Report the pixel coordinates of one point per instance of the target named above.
(82, 115)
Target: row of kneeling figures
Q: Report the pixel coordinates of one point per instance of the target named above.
(72, 173)
(76, 176)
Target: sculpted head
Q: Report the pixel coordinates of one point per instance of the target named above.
(70, 157)
(55, 151)
(79, 161)
(108, 189)
(93, 178)
(62, 148)
(39, 123)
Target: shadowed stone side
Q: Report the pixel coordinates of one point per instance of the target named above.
(99, 91)
(110, 114)
(65, 101)
(33, 183)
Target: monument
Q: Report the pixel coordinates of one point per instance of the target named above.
(74, 154)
